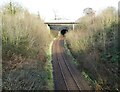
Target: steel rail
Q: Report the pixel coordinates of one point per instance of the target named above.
(70, 71)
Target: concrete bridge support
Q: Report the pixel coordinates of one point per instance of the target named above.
(73, 26)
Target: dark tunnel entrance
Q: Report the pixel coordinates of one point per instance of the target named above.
(63, 31)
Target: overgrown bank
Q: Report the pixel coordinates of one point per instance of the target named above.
(94, 43)
(25, 50)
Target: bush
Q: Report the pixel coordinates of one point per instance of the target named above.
(25, 44)
(94, 43)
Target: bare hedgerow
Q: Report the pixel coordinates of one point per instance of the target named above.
(25, 44)
(94, 43)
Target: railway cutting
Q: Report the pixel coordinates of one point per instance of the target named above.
(66, 76)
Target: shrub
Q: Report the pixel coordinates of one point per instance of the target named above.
(25, 44)
(94, 43)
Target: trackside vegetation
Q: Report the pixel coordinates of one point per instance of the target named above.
(25, 50)
(94, 44)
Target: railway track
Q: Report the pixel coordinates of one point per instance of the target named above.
(67, 76)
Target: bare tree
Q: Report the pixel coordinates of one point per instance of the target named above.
(55, 14)
(89, 11)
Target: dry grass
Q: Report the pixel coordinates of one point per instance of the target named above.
(54, 33)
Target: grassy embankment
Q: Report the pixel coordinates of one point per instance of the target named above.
(25, 50)
(94, 44)
(54, 33)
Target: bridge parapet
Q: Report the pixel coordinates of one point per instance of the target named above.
(62, 23)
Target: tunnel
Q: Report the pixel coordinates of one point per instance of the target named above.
(63, 31)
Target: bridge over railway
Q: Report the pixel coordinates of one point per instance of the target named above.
(62, 23)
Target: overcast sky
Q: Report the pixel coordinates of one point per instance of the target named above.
(69, 9)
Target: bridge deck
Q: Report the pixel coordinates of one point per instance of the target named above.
(61, 23)
(57, 23)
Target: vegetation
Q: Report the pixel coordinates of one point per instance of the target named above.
(26, 59)
(54, 33)
(94, 43)
(25, 50)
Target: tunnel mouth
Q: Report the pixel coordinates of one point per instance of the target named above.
(63, 31)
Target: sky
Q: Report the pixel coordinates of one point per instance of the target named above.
(66, 9)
